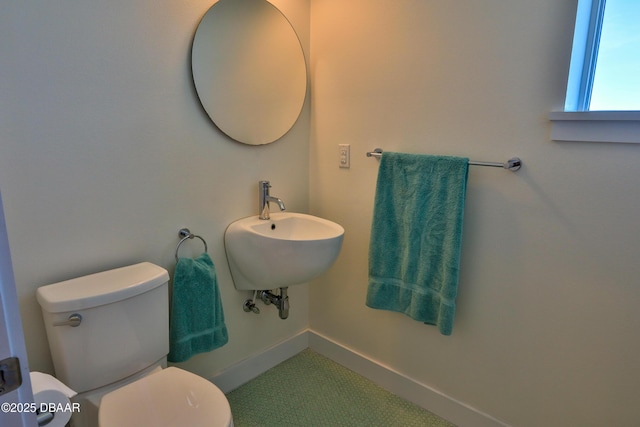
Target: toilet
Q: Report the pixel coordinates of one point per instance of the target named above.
(109, 337)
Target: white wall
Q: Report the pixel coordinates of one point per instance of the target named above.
(105, 153)
(546, 332)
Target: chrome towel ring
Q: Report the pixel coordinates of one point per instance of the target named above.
(186, 234)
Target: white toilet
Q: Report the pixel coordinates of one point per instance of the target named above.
(115, 354)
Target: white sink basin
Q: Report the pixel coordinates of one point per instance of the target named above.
(288, 249)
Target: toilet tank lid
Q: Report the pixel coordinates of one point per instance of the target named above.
(101, 288)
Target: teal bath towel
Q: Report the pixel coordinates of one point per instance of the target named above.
(416, 236)
(197, 321)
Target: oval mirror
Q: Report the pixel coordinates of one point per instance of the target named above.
(249, 70)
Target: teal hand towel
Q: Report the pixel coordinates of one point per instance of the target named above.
(416, 236)
(197, 320)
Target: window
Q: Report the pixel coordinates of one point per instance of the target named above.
(605, 61)
(603, 90)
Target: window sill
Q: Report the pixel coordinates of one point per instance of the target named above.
(596, 126)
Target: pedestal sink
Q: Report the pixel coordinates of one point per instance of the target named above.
(287, 249)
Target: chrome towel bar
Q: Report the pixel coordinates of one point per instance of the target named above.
(513, 164)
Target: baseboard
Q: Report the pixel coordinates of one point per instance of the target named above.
(247, 369)
(422, 395)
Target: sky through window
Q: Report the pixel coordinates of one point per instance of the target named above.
(616, 84)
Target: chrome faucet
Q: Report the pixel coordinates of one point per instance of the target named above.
(265, 198)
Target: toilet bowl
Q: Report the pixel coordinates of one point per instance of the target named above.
(109, 337)
(171, 397)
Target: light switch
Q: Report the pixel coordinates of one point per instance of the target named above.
(345, 155)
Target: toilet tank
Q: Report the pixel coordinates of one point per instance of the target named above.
(124, 327)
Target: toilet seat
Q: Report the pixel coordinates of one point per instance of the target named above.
(171, 397)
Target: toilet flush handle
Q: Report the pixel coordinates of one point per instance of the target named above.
(74, 320)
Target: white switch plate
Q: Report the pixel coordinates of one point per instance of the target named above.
(345, 155)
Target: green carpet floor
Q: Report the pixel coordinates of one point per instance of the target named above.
(312, 390)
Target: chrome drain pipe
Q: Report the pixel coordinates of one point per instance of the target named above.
(281, 301)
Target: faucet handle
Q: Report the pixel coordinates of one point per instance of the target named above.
(249, 305)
